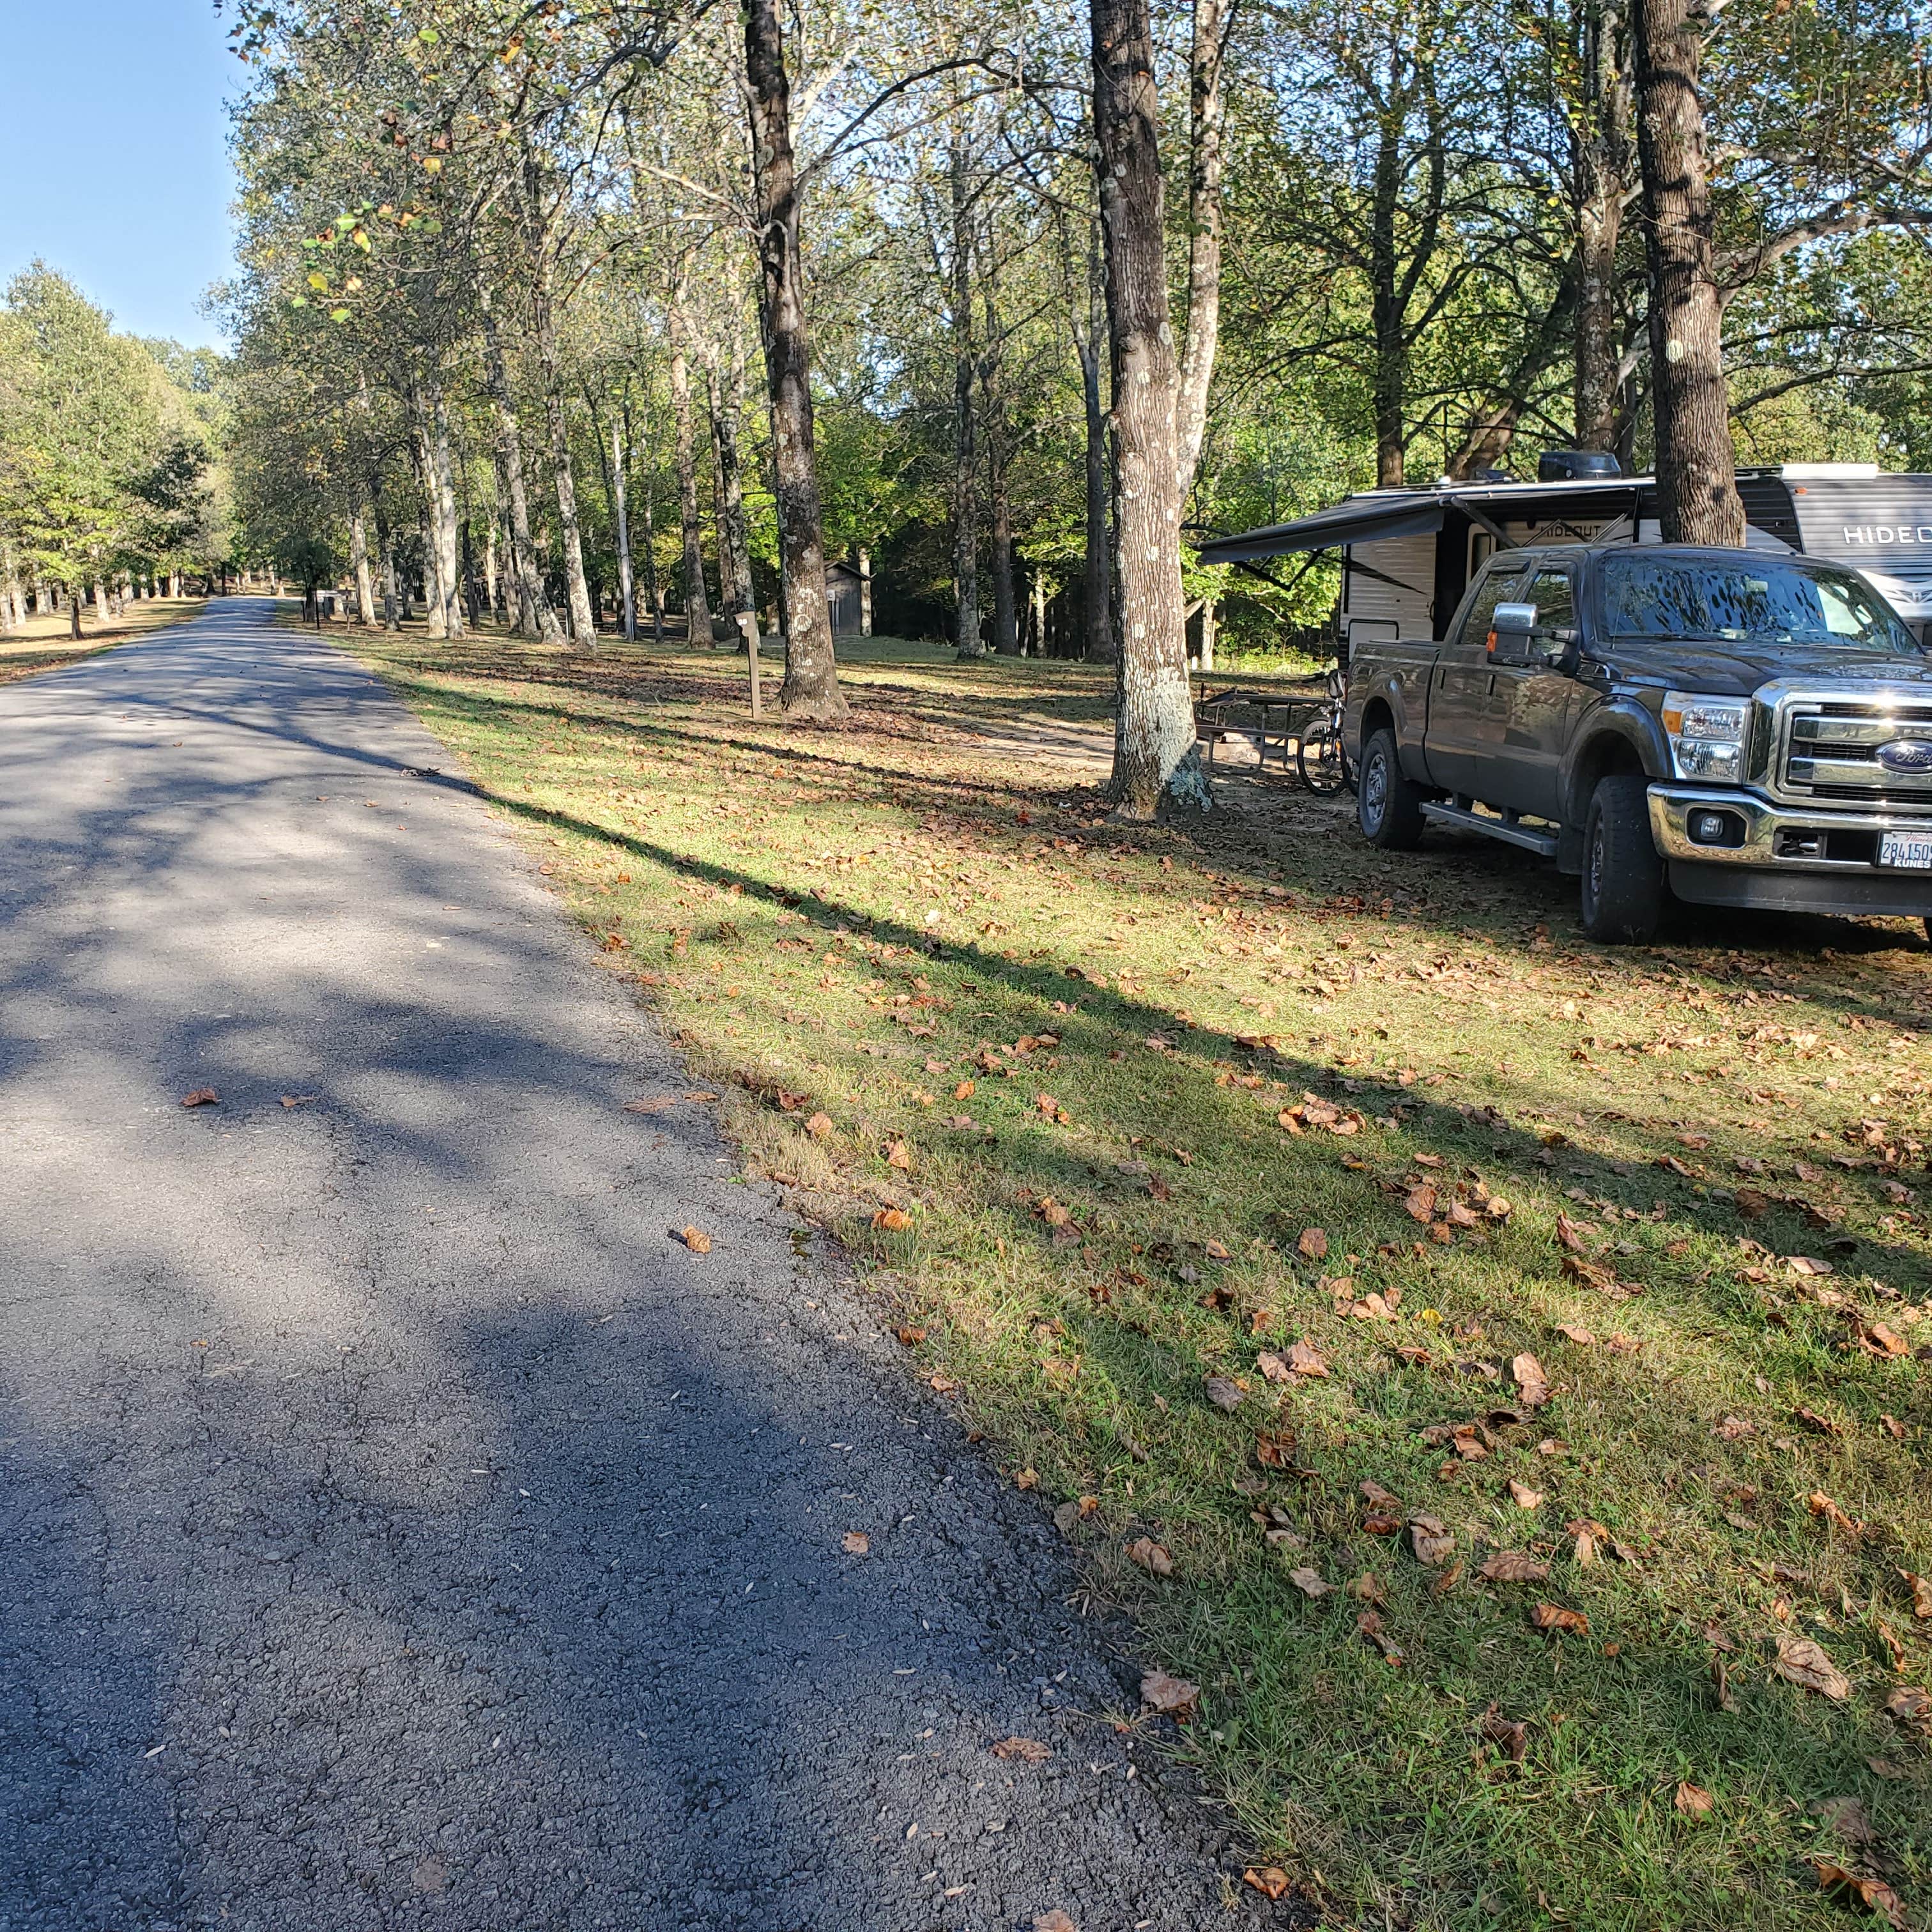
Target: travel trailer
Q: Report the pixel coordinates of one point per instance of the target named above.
(1408, 554)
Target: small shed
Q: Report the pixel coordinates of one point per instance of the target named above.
(845, 599)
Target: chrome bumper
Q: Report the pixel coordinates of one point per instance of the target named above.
(1672, 806)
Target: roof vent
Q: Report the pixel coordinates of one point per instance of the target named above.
(1575, 466)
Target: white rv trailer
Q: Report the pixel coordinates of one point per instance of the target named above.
(1408, 554)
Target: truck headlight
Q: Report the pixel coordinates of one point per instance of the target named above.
(1707, 734)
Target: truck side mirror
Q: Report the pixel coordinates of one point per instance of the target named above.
(1510, 627)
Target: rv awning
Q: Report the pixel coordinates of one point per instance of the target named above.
(1377, 514)
(1352, 522)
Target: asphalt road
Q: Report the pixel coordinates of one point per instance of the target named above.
(398, 1528)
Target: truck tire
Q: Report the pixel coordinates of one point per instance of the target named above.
(1625, 891)
(1388, 808)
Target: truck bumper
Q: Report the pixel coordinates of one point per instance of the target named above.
(1786, 858)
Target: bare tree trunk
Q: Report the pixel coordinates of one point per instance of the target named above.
(697, 604)
(492, 578)
(734, 536)
(435, 609)
(534, 618)
(999, 503)
(619, 456)
(1602, 146)
(577, 589)
(1203, 233)
(1696, 474)
(810, 690)
(448, 562)
(358, 562)
(651, 587)
(965, 456)
(865, 593)
(1389, 382)
(1097, 579)
(1154, 757)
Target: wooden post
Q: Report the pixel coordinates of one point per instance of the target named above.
(748, 628)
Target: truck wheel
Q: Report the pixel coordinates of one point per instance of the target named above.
(1624, 888)
(1388, 808)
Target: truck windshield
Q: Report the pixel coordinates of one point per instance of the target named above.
(1754, 600)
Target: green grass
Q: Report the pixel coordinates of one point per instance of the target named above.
(854, 923)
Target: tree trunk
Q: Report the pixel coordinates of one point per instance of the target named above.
(620, 455)
(1697, 475)
(1601, 146)
(965, 456)
(734, 537)
(101, 612)
(651, 586)
(1154, 757)
(999, 502)
(810, 690)
(577, 589)
(1204, 235)
(493, 577)
(358, 562)
(1389, 383)
(534, 618)
(435, 610)
(697, 604)
(1097, 582)
(73, 613)
(865, 593)
(443, 513)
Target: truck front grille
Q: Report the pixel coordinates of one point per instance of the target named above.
(1841, 749)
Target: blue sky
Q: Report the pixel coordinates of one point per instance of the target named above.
(113, 166)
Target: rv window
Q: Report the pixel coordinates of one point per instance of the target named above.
(1498, 587)
(1761, 601)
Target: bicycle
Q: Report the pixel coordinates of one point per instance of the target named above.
(1320, 755)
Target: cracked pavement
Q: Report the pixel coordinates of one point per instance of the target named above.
(398, 1528)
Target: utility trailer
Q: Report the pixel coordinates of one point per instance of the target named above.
(1409, 554)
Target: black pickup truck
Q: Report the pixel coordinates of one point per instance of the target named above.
(1731, 727)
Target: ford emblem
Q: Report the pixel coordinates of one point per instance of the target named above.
(1906, 754)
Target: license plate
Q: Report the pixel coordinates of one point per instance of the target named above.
(1912, 850)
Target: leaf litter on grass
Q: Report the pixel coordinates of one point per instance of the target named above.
(1438, 1045)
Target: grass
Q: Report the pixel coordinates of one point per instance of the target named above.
(1032, 1066)
(47, 643)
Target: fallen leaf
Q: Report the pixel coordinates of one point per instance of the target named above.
(1430, 1538)
(1366, 1588)
(1217, 1250)
(1023, 1750)
(1310, 1584)
(1732, 1427)
(1882, 1342)
(1150, 1555)
(1570, 1332)
(1531, 1383)
(297, 1100)
(1847, 1817)
(1512, 1735)
(1272, 1367)
(1305, 1359)
(1818, 1425)
(1271, 1882)
(1554, 1617)
(1027, 1479)
(1175, 1696)
(1693, 1800)
(1800, 1661)
(892, 1219)
(1369, 1623)
(819, 1126)
(1420, 1204)
(202, 1096)
(856, 1542)
(1313, 1245)
(1921, 1588)
(1570, 1236)
(963, 1091)
(696, 1240)
(1276, 1452)
(1372, 1491)
(1055, 1921)
(910, 1336)
(1873, 1894)
(1224, 1392)
(1820, 1503)
(1512, 1566)
(1526, 1497)
(1910, 1705)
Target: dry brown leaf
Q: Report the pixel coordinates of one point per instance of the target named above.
(1554, 1617)
(899, 1155)
(1367, 1588)
(856, 1542)
(1271, 1881)
(1570, 1236)
(1800, 1661)
(1570, 1332)
(1272, 1367)
(1055, 1921)
(202, 1096)
(1882, 1342)
(300, 1099)
(1174, 1697)
(1730, 1428)
(1224, 1392)
(1305, 1359)
(1369, 1623)
(910, 1336)
(1022, 1751)
(1430, 1538)
(1525, 1496)
(1693, 1800)
(1312, 1244)
(1873, 1894)
(1512, 1566)
(1921, 1588)
(963, 1091)
(1910, 1704)
(1820, 1505)
(696, 1240)
(1027, 1479)
(1531, 1383)
(1217, 1250)
(1420, 1203)
(1310, 1584)
(1151, 1555)
(893, 1220)
(819, 1126)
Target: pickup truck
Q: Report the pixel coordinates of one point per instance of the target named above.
(1732, 727)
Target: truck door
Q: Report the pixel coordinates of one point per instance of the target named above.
(1459, 689)
(1525, 723)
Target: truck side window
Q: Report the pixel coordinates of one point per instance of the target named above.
(1500, 586)
(1555, 599)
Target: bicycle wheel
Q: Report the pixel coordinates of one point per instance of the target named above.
(1318, 758)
